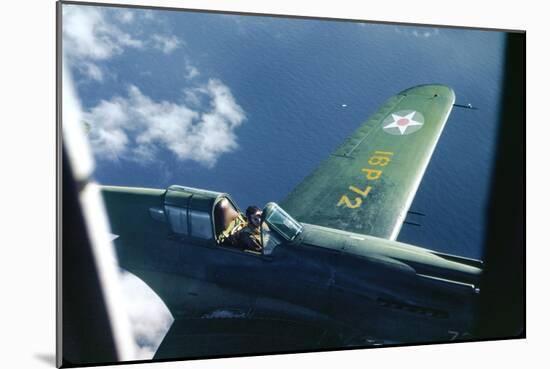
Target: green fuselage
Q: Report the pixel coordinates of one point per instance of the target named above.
(355, 286)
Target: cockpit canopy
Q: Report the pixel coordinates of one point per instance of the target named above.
(207, 216)
(195, 213)
(279, 220)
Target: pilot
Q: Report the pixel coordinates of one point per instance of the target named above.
(249, 237)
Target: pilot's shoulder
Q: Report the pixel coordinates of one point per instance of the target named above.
(247, 229)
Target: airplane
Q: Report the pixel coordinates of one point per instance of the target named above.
(330, 273)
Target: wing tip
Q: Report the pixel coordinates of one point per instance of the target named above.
(433, 89)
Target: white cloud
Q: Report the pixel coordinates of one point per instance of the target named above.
(92, 35)
(87, 34)
(418, 32)
(166, 44)
(193, 96)
(149, 14)
(125, 16)
(89, 38)
(191, 71)
(91, 70)
(149, 317)
(223, 102)
(136, 127)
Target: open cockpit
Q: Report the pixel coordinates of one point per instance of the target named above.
(201, 216)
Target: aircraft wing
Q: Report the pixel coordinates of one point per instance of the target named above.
(368, 184)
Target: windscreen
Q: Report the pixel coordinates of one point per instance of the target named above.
(280, 221)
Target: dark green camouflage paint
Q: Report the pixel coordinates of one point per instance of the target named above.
(380, 211)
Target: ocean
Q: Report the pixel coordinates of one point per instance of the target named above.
(305, 85)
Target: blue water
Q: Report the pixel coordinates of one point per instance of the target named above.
(291, 77)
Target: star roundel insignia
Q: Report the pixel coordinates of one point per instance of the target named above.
(403, 122)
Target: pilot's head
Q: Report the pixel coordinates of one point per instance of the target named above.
(254, 215)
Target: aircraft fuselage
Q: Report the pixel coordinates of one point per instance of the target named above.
(357, 285)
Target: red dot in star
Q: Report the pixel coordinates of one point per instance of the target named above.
(402, 122)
